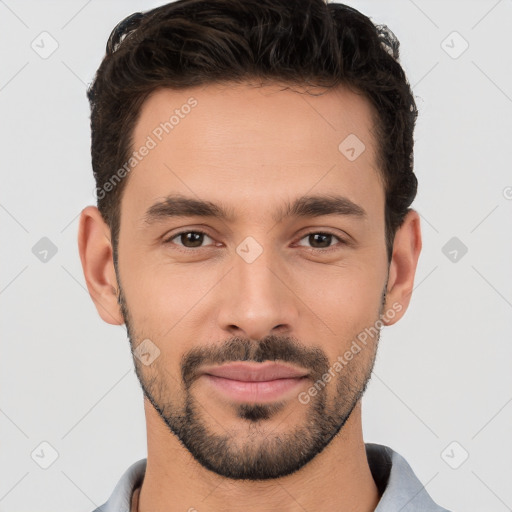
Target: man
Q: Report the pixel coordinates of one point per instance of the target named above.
(254, 171)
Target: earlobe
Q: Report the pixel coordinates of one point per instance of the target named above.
(406, 251)
(95, 248)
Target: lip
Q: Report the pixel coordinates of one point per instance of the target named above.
(255, 382)
(255, 372)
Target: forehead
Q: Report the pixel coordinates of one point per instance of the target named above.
(243, 145)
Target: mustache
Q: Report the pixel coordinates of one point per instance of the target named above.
(271, 348)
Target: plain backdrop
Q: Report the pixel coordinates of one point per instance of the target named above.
(441, 393)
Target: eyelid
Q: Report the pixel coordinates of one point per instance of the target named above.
(341, 241)
(168, 239)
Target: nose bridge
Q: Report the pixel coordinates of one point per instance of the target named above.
(256, 300)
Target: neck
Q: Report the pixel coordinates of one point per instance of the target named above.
(338, 478)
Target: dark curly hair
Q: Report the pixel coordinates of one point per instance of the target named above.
(297, 42)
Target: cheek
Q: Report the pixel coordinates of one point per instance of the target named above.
(166, 300)
(349, 296)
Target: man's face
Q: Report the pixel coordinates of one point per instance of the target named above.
(260, 286)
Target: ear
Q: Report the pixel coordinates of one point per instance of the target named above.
(96, 255)
(406, 251)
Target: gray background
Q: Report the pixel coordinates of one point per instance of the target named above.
(442, 373)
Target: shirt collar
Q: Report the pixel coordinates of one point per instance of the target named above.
(398, 486)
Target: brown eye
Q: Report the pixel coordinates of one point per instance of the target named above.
(322, 241)
(189, 239)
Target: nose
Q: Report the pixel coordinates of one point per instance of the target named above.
(258, 299)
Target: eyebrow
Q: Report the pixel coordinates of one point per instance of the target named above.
(306, 206)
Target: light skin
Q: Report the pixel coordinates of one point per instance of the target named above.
(253, 150)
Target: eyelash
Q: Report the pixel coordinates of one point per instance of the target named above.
(312, 249)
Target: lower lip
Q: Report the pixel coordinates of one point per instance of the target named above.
(261, 392)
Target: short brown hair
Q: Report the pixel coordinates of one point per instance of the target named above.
(298, 42)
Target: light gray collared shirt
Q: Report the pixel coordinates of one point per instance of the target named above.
(399, 487)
